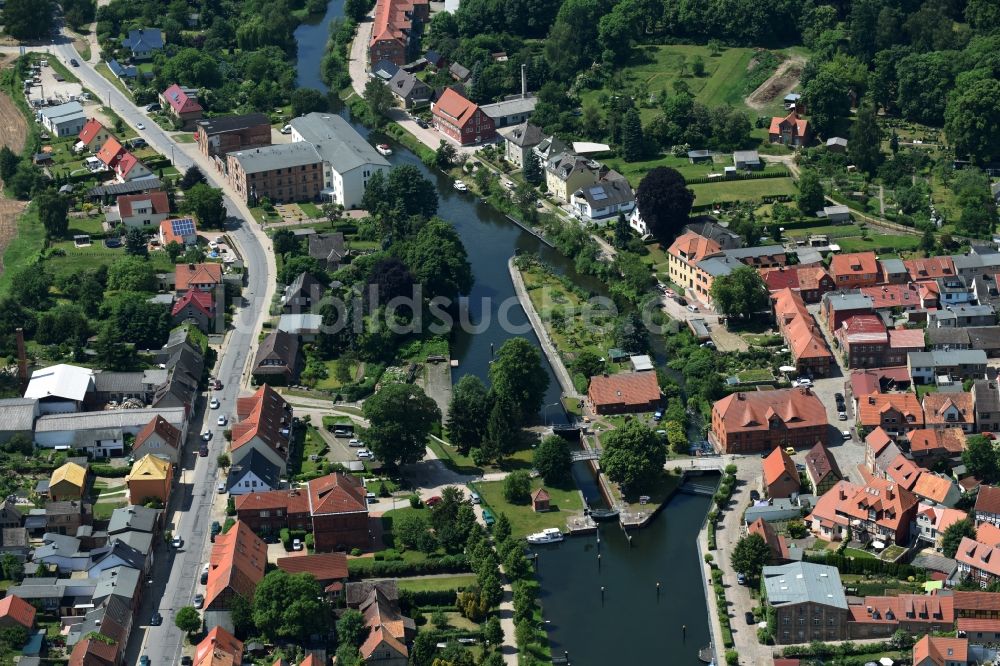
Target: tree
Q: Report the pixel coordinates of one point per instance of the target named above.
(980, 459)
(52, 211)
(11, 567)
(492, 632)
(633, 456)
(501, 528)
(174, 250)
(351, 628)
(289, 606)
(8, 163)
(28, 19)
(972, 121)
(954, 534)
(517, 487)
(553, 460)
(131, 273)
(677, 437)
(588, 364)
(810, 198)
(379, 99)
(741, 293)
(467, 413)
(356, 9)
(750, 555)
(532, 169)
(412, 531)
(136, 242)
(193, 176)
(445, 155)
(664, 202)
(223, 461)
(401, 417)
(438, 261)
(18, 443)
(633, 144)
(864, 145)
(30, 286)
(205, 203)
(308, 100)
(518, 377)
(188, 619)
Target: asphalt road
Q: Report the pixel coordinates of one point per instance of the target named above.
(176, 573)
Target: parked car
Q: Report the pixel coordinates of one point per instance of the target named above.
(371, 498)
(741, 579)
(140, 126)
(155, 106)
(217, 385)
(144, 661)
(803, 382)
(681, 300)
(214, 403)
(789, 450)
(203, 451)
(657, 415)
(488, 518)
(73, 62)
(199, 600)
(207, 435)
(431, 501)
(754, 496)
(842, 416)
(287, 129)
(156, 620)
(692, 308)
(846, 434)
(750, 618)
(365, 454)
(204, 574)
(296, 544)
(222, 420)
(839, 397)
(422, 124)
(355, 442)
(186, 661)
(177, 542)
(221, 487)
(476, 499)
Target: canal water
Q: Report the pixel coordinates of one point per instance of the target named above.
(632, 624)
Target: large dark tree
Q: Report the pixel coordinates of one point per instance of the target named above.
(307, 100)
(192, 177)
(664, 202)
(810, 198)
(52, 211)
(290, 606)
(401, 417)
(518, 378)
(750, 555)
(980, 459)
(742, 293)
(954, 534)
(553, 460)
(864, 147)
(438, 261)
(633, 456)
(205, 203)
(468, 412)
(28, 19)
(633, 144)
(391, 278)
(972, 121)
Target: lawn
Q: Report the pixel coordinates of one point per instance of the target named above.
(90, 257)
(635, 171)
(858, 554)
(24, 247)
(452, 458)
(900, 242)
(311, 209)
(86, 225)
(658, 494)
(657, 68)
(183, 137)
(103, 70)
(331, 383)
(313, 445)
(523, 520)
(103, 510)
(743, 190)
(437, 584)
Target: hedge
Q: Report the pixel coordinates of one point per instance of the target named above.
(841, 650)
(368, 567)
(743, 175)
(847, 565)
(109, 471)
(425, 598)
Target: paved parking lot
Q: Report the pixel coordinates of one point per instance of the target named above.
(56, 92)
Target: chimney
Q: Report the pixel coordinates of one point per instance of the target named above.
(524, 81)
(22, 361)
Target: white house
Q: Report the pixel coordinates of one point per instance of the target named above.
(139, 210)
(253, 474)
(348, 160)
(101, 433)
(63, 120)
(604, 200)
(638, 224)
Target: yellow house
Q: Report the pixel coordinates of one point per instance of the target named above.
(68, 482)
(151, 477)
(566, 173)
(685, 253)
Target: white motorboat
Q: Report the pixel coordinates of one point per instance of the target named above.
(461, 186)
(550, 535)
(383, 149)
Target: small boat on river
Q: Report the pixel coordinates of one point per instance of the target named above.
(603, 515)
(549, 535)
(460, 186)
(383, 149)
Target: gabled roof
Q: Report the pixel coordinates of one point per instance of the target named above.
(149, 468)
(455, 107)
(778, 464)
(890, 503)
(927, 440)
(187, 274)
(629, 388)
(933, 487)
(218, 640)
(821, 464)
(69, 382)
(774, 541)
(324, 567)
(237, 123)
(110, 152)
(257, 464)
(126, 163)
(340, 145)
(799, 125)
(855, 263)
(201, 300)
(278, 345)
(336, 493)
(988, 500)
(69, 473)
(237, 562)
(802, 582)
(157, 201)
(177, 229)
(929, 268)
(262, 416)
(903, 471)
(16, 609)
(937, 406)
(872, 406)
(754, 410)
(524, 135)
(693, 248)
(180, 101)
(90, 130)
(144, 39)
(377, 638)
(540, 495)
(941, 650)
(94, 652)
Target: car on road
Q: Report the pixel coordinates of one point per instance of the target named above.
(155, 106)
(199, 600)
(692, 308)
(846, 434)
(803, 382)
(144, 661)
(186, 661)
(221, 487)
(216, 384)
(681, 300)
(156, 620)
(140, 126)
(751, 620)
(222, 420)
(207, 435)
(800, 467)
(839, 397)
(422, 124)
(203, 451)
(204, 574)
(790, 451)
(355, 442)
(365, 454)
(476, 499)
(488, 518)
(371, 498)
(287, 129)
(431, 501)
(741, 579)
(842, 416)
(754, 496)
(177, 542)
(73, 62)
(214, 403)
(296, 544)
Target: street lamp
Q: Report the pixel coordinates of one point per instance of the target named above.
(545, 412)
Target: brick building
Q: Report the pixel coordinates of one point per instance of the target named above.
(780, 477)
(226, 134)
(808, 602)
(624, 393)
(749, 422)
(396, 30)
(286, 172)
(462, 120)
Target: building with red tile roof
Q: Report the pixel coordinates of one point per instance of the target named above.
(130, 168)
(987, 508)
(204, 277)
(908, 297)
(930, 269)
(780, 477)
(979, 558)
(236, 566)
(754, 421)
(932, 521)
(182, 104)
(327, 568)
(927, 445)
(879, 380)
(93, 135)
(159, 438)
(94, 652)
(218, 648)
(824, 519)
(950, 410)
(332, 507)
(822, 469)
(937, 489)
(264, 422)
(194, 306)
(462, 120)
(683, 256)
(903, 472)
(623, 393)
(882, 510)
(854, 270)
(863, 339)
(978, 615)
(774, 541)
(394, 35)
(142, 210)
(806, 343)
(875, 443)
(16, 612)
(882, 616)
(811, 282)
(941, 651)
(790, 130)
(896, 413)
(111, 152)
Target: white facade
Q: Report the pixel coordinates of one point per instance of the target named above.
(348, 188)
(249, 483)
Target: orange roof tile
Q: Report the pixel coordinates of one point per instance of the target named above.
(805, 340)
(13, 607)
(262, 417)
(692, 248)
(941, 651)
(903, 471)
(853, 263)
(872, 406)
(323, 567)
(216, 643)
(776, 464)
(376, 638)
(236, 563)
(455, 107)
(187, 274)
(933, 487)
(890, 503)
(929, 268)
(934, 608)
(753, 410)
(938, 406)
(801, 125)
(110, 152)
(292, 501)
(336, 493)
(877, 440)
(774, 541)
(170, 435)
(90, 130)
(636, 389)
(158, 200)
(825, 510)
(988, 500)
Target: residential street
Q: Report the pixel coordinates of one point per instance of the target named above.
(175, 574)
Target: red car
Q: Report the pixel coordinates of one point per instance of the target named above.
(431, 501)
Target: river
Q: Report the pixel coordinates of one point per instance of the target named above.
(632, 624)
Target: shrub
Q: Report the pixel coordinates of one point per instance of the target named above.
(310, 541)
(415, 502)
(109, 471)
(371, 568)
(286, 538)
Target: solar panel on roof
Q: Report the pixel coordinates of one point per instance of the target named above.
(598, 193)
(183, 227)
